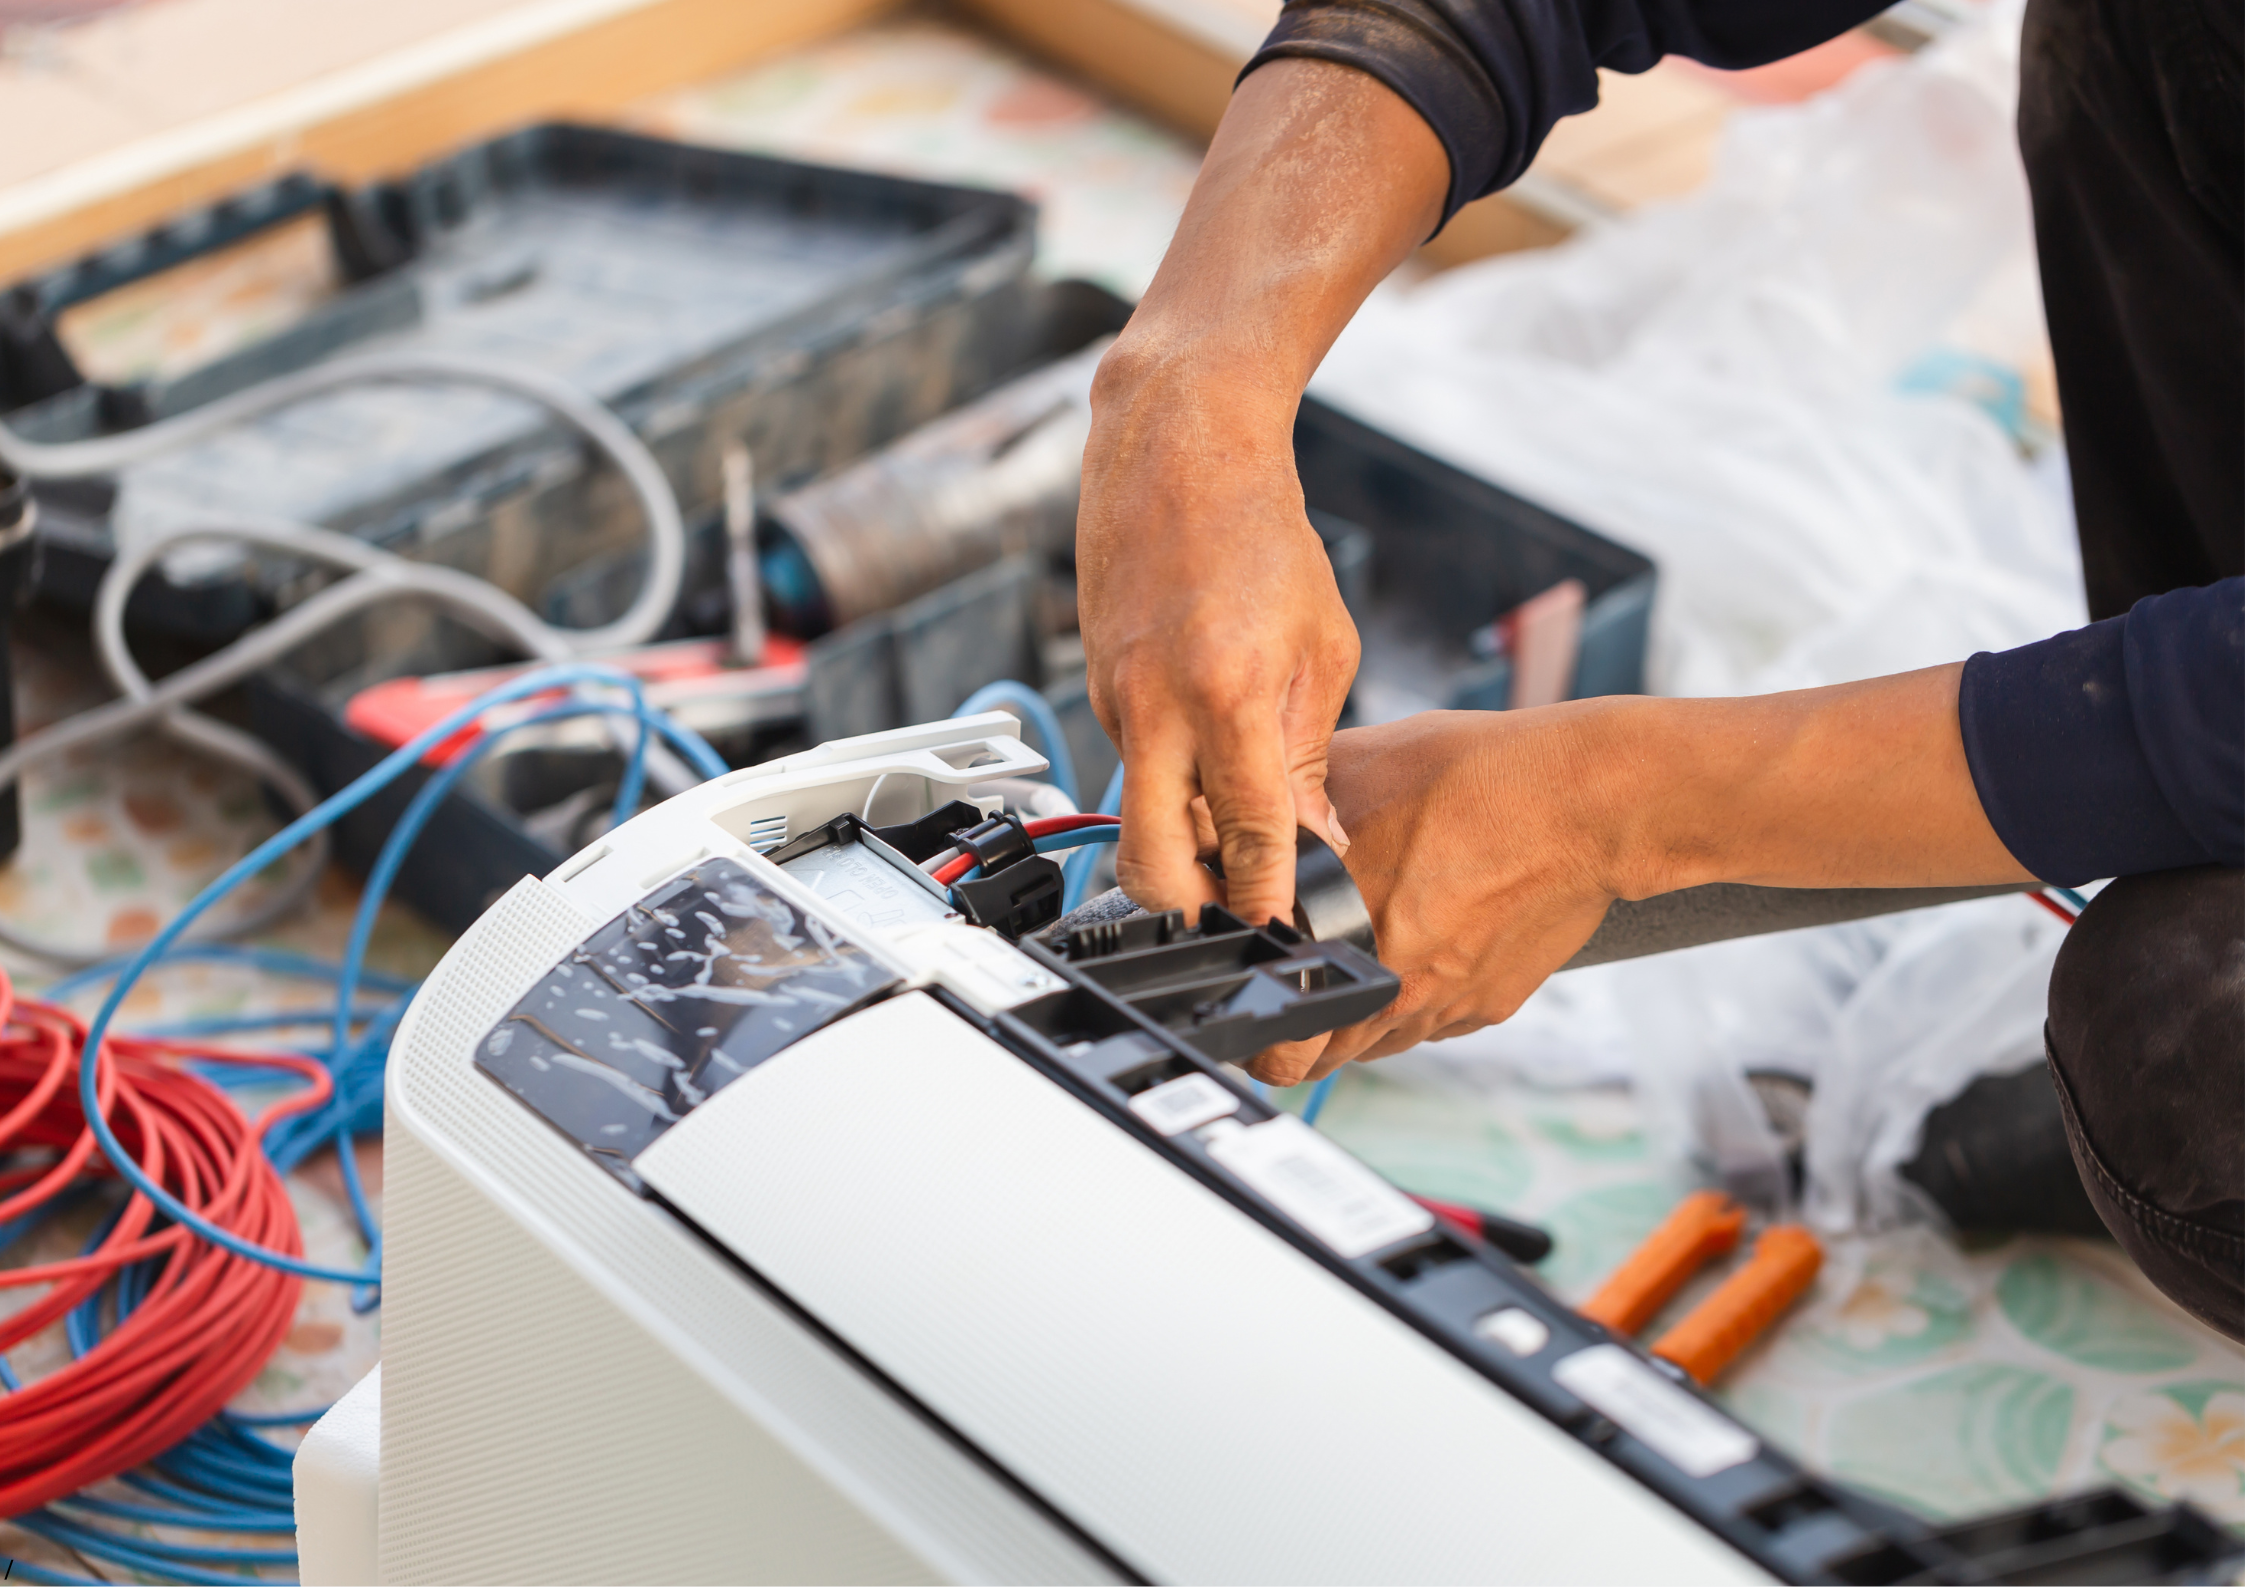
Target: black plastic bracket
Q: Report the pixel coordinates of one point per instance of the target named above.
(1227, 988)
(933, 832)
(996, 844)
(1013, 902)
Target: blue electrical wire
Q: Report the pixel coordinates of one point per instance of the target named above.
(322, 815)
(1318, 1093)
(165, 1561)
(1041, 716)
(243, 1024)
(225, 1477)
(273, 961)
(1080, 838)
(1076, 870)
(358, 1082)
(40, 1576)
(159, 1515)
(2070, 896)
(383, 875)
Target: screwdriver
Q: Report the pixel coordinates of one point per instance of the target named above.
(19, 549)
(1523, 1242)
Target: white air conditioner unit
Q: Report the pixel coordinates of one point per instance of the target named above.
(753, 1216)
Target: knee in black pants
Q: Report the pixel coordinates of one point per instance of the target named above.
(2146, 1041)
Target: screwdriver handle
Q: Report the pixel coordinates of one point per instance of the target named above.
(1523, 1242)
(1704, 1225)
(18, 549)
(1711, 1334)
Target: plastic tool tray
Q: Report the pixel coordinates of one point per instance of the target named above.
(1421, 549)
(712, 298)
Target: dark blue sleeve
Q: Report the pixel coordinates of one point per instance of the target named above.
(1492, 76)
(2118, 748)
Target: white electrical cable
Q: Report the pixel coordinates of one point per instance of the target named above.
(666, 532)
(375, 576)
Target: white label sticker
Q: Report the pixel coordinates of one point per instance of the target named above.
(981, 966)
(1185, 1103)
(1321, 1187)
(1689, 1434)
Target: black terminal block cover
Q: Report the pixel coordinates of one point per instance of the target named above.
(996, 843)
(1226, 988)
(934, 832)
(1013, 902)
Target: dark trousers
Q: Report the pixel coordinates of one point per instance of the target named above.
(2146, 1041)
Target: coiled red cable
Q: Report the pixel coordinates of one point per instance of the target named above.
(209, 1320)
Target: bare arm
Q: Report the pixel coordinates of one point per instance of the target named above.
(1219, 651)
(1490, 844)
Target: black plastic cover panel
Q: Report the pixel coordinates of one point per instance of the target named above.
(670, 1002)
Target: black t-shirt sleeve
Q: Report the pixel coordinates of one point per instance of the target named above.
(1492, 76)
(2118, 748)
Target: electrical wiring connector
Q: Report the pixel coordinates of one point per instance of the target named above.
(1047, 834)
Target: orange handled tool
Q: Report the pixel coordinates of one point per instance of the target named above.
(1712, 1333)
(1704, 1225)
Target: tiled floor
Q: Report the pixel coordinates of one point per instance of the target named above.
(1949, 1380)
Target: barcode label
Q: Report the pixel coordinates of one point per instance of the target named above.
(1185, 1103)
(1688, 1433)
(1321, 1187)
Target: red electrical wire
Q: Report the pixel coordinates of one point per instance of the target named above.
(951, 870)
(1048, 824)
(209, 1319)
(2056, 908)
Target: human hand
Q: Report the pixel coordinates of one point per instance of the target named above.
(1218, 649)
(1478, 853)
(1220, 654)
(1489, 845)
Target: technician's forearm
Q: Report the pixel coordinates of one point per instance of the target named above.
(1858, 785)
(1319, 182)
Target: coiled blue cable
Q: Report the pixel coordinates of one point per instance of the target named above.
(1076, 872)
(273, 961)
(383, 875)
(324, 814)
(1041, 715)
(225, 1477)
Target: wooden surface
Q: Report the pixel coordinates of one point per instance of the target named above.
(1651, 136)
(114, 124)
(462, 70)
(1180, 78)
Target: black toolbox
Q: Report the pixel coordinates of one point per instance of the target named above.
(709, 297)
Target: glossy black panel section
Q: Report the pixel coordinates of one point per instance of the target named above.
(670, 1002)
